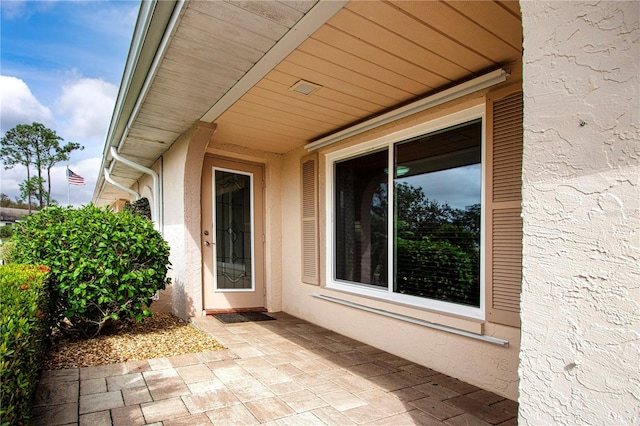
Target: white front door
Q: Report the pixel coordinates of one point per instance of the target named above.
(232, 235)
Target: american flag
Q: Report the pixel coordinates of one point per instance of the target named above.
(73, 178)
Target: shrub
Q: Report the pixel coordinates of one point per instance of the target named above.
(140, 207)
(104, 265)
(6, 231)
(23, 337)
(436, 269)
(8, 249)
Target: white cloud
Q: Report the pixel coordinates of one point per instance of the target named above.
(10, 179)
(17, 9)
(82, 113)
(113, 21)
(19, 105)
(85, 108)
(13, 9)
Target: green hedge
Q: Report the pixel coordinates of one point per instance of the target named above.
(6, 231)
(24, 331)
(8, 248)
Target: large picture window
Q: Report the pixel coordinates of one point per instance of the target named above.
(421, 241)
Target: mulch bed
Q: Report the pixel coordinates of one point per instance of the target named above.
(160, 336)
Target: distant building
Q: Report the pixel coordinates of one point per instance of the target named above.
(9, 215)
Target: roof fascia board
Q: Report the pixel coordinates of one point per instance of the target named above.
(132, 65)
(314, 19)
(153, 19)
(167, 34)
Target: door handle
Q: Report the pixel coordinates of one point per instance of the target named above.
(207, 243)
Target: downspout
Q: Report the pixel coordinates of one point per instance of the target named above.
(109, 179)
(156, 184)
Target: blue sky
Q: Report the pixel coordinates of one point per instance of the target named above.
(61, 63)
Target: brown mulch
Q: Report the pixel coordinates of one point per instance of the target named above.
(162, 335)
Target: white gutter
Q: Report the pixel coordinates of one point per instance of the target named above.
(109, 179)
(146, 13)
(153, 69)
(147, 10)
(156, 184)
(478, 83)
(145, 88)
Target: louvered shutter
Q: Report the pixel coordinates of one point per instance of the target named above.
(503, 207)
(309, 198)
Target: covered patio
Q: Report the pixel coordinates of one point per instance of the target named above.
(282, 372)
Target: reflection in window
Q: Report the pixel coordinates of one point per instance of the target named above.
(233, 231)
(437, 228)
(436, 216)
(361, 219)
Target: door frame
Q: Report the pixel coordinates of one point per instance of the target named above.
(229, 300)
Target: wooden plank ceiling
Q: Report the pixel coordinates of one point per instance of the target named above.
(372, 56)
(369, 58)
(214, 44)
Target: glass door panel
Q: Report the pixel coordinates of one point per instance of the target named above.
(234, 231)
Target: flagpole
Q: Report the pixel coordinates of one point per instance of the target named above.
(68, 191)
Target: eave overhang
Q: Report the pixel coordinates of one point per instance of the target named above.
(151, 24)
(237, 63)
(152, 58)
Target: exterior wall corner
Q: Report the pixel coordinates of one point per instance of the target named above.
(181, 176)
(581, 213)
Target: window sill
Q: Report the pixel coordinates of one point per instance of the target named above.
(445, 322)
(436, 310)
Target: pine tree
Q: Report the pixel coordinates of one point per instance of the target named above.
(38, 146)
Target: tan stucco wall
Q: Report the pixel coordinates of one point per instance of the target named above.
(179, 170)
(483, 364)
(580, 354)
(182, 245)
(170, 168)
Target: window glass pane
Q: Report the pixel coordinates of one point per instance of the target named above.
(437, 190)
(361, 219)
(233, 230)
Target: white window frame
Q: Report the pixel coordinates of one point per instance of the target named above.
(387, 142)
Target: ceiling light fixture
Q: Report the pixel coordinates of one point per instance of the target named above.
(305, 87)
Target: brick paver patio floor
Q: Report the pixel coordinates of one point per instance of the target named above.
(283, 372)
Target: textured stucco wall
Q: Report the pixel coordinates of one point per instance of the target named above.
(181, 171)
(580, 349)
(174, 230)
